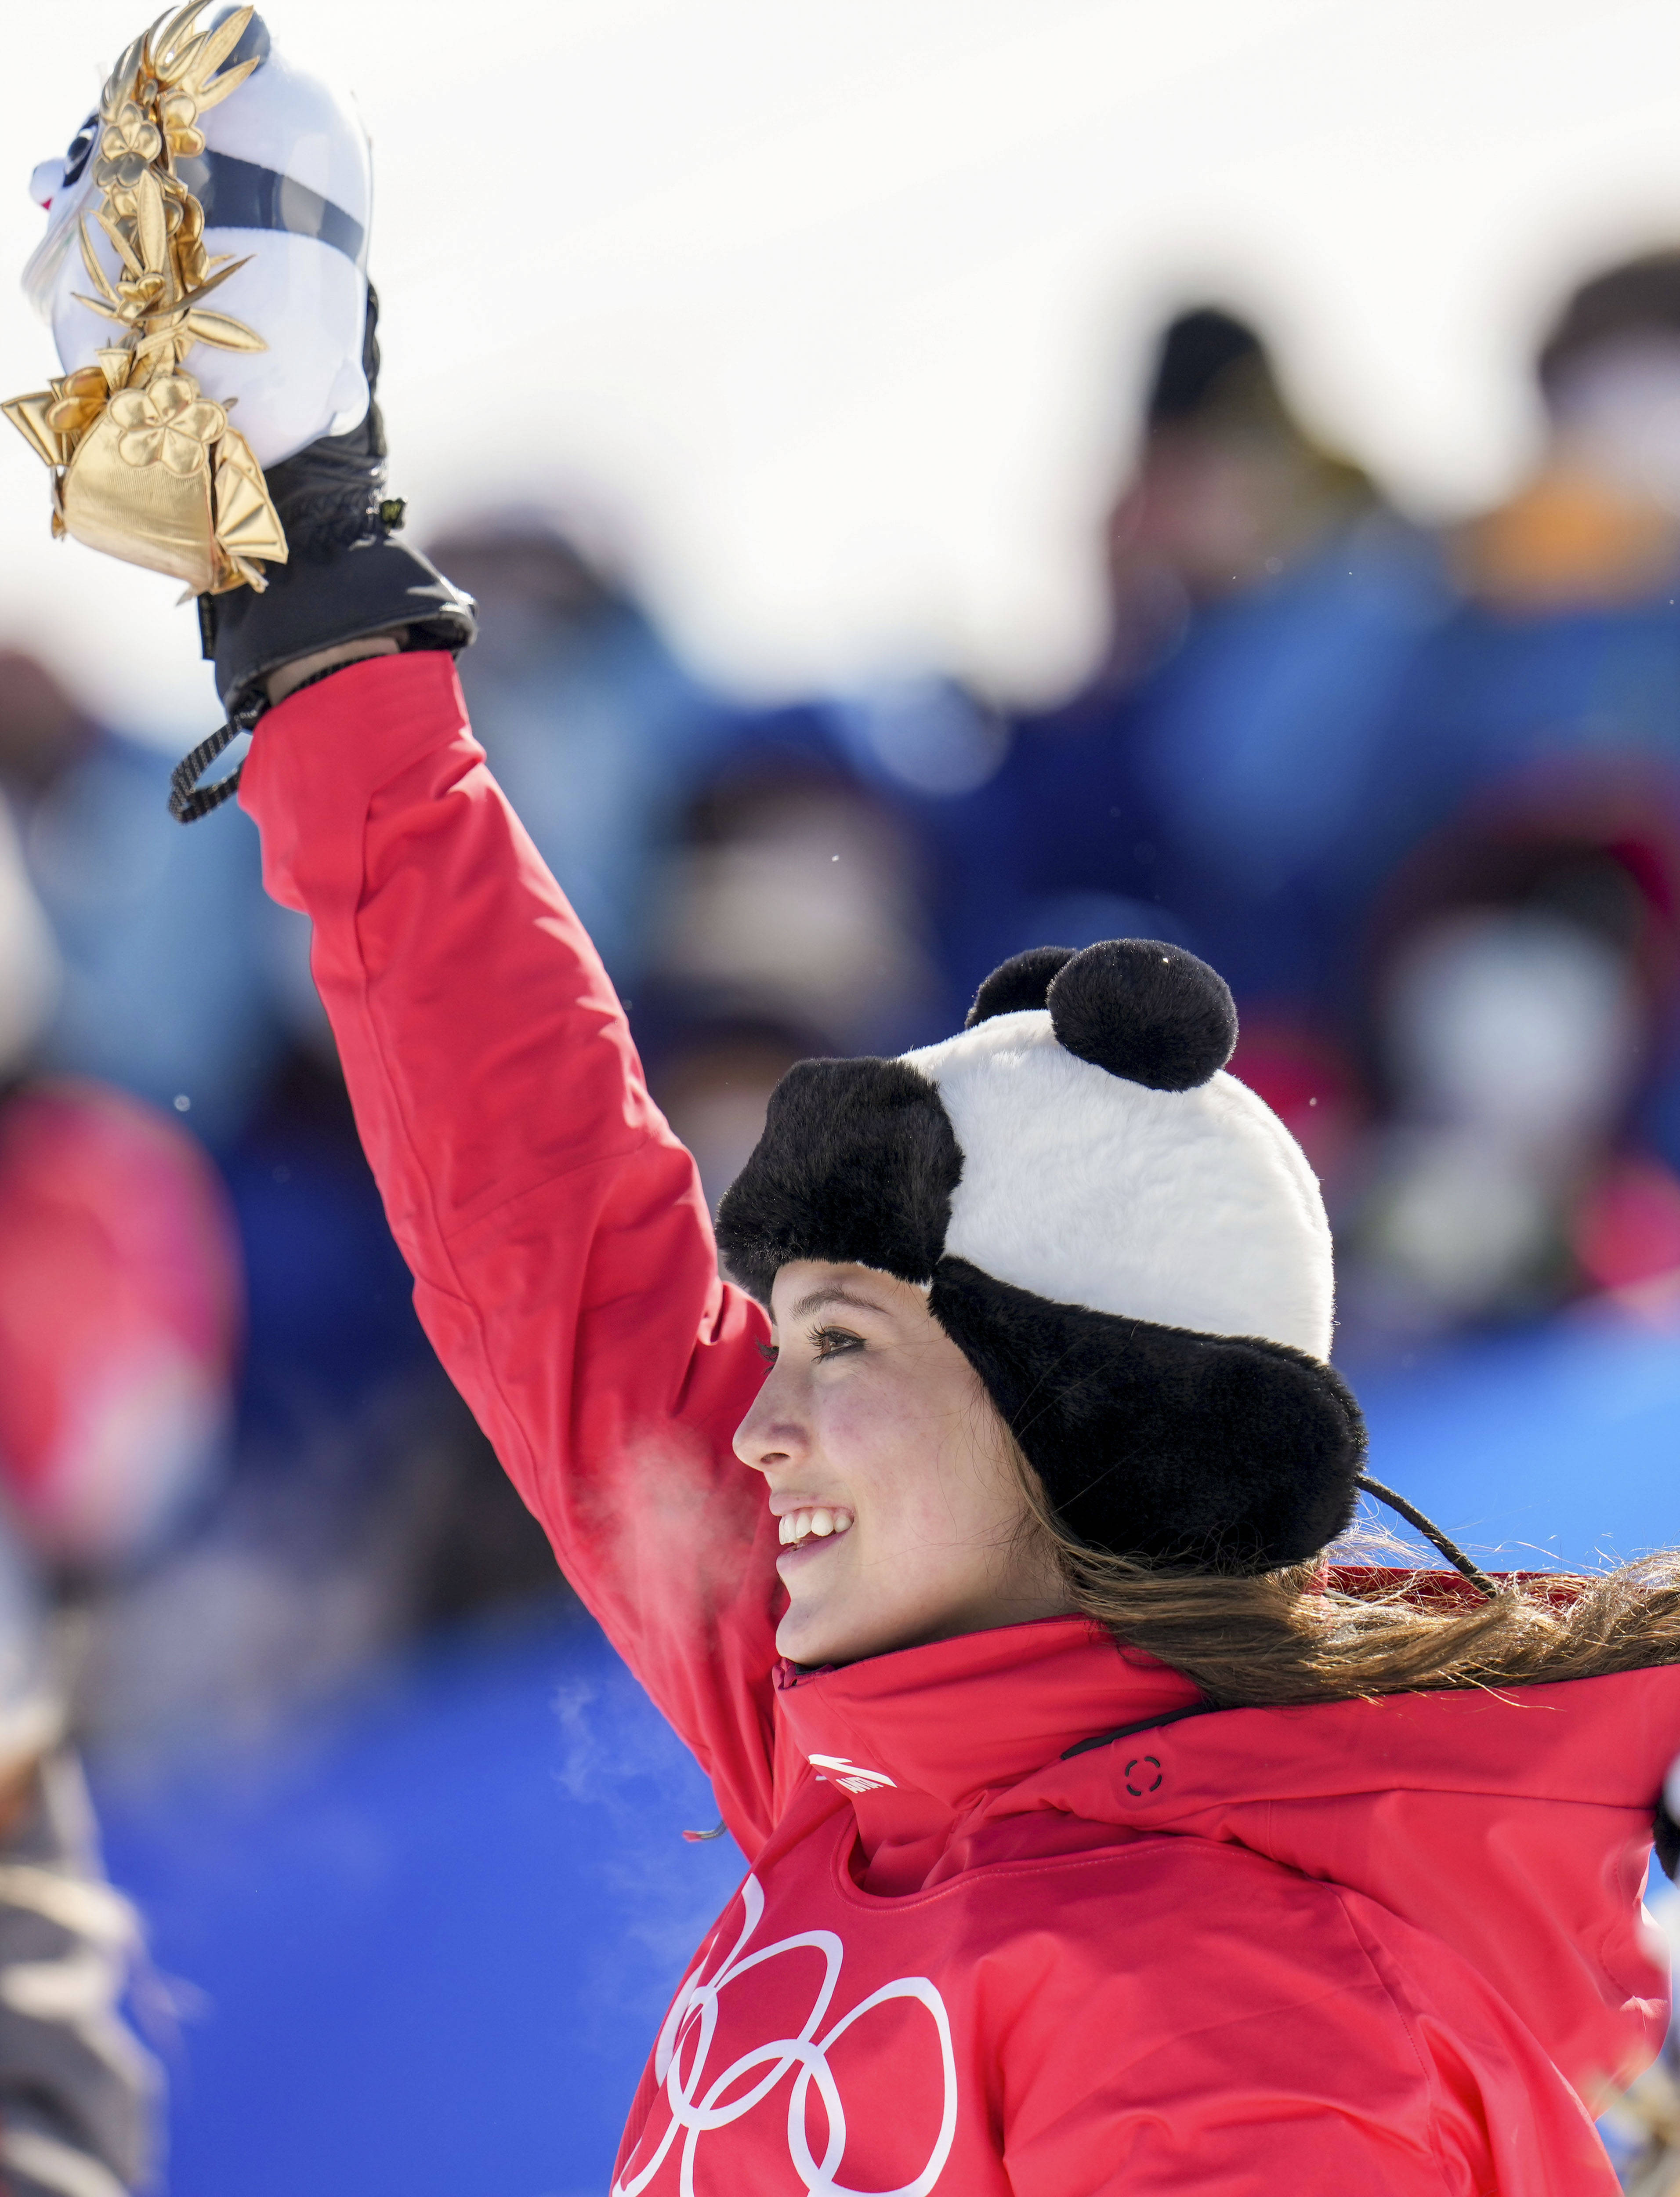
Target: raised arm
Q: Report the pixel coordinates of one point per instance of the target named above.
(563, 1260)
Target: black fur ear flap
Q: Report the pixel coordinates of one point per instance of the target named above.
(1021, 982)
(1191, 1453)
(1146, 1010)
(857, 1163)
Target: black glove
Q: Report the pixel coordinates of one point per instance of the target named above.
(345, 579)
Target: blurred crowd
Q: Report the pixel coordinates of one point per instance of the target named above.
(1415, 794)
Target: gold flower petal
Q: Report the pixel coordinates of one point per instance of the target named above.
(71, 414)
(141, 448)
(138, 131)
(182, 455)
(133, 408)
(204, 422)
(172, 395)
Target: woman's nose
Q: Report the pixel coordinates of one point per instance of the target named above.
(770, 1435)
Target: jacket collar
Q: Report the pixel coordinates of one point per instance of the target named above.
(957, 1719)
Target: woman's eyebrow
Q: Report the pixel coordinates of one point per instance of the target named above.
(835, 1294)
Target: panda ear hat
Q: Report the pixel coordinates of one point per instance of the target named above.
(1125, 1243)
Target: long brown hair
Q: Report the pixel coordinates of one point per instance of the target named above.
(1296, 1635)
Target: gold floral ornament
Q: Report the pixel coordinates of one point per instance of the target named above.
(181, 112)
(128, 146)
(79, 400)
(144, 464)
(167, 423)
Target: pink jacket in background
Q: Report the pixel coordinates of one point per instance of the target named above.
(121, 1290)
(1363, 1948)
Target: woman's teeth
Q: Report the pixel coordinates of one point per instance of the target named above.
(807, 1525)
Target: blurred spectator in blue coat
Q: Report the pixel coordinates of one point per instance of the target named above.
(1210, 783)
(787, 922)
(1565, 641)
(1265, 602)
(593, 727)
(1532, 756)
(166, 939)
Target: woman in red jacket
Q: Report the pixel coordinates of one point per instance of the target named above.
(1101, 1838)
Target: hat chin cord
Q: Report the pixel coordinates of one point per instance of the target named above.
(1431, 1532)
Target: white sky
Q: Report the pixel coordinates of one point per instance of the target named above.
(841, 305)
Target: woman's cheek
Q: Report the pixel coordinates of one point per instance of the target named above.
(861, 1428)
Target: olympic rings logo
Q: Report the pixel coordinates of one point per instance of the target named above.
(685, 2040)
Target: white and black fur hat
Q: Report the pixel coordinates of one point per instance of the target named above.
(1125, 1243)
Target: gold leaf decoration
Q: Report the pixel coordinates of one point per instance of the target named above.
(90, 261)
(230, 80)
(150, 227)
(124, 249)
(215, 281)
(209, 52)
(224, 332)
(106, 311)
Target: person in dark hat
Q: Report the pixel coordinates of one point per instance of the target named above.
(1209, 780)
(1596, 527)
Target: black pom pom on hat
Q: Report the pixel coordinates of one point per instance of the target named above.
(1143, 1010)
(1019, 984)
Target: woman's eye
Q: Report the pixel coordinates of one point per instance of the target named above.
(769, 1353)
(833, 1342)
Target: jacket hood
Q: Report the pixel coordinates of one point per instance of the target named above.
(1514, 1826)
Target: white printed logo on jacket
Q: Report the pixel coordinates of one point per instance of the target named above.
(700, 2107)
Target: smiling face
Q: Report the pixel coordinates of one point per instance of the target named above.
(902, 1514)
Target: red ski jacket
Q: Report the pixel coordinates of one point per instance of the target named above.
(1375, 1946)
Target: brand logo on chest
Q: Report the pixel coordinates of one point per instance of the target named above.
(851, 1775)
